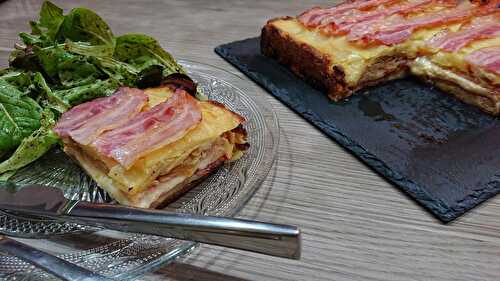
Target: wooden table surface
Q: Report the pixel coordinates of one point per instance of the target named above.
(356, 226)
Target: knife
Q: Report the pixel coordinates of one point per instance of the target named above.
(265, 238)
(52, 264)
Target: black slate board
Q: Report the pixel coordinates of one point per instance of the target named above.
(443, 153)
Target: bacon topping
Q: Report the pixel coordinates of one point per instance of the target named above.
(165, 123)
(359, 30)
(481, 28)
(314, 17)
(398, 29)
(386, 21)
(342, 25)
(84, 122)
(486, 58)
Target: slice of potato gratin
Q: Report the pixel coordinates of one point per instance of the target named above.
(145, 148)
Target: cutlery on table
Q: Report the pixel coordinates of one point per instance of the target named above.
(265, 238)
(52, 264)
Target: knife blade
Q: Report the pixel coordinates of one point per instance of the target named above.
(265, 238)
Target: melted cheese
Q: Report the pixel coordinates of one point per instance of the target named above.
(422, 66)
(456, 60)
(157, 95)
(215, 122)
(354, 59)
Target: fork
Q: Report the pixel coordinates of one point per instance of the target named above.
(52, 264)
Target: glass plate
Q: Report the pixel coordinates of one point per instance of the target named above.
(124, 255)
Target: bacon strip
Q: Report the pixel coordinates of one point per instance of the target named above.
(165, 123)
(486, 58)
(453, 41)
(335, 25)
(314, 17)
(84, 122)
(398, 29)
(360, 30)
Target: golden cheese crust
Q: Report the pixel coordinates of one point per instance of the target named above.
(319, 69)
(305, 61)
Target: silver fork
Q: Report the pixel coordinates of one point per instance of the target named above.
(52, 264)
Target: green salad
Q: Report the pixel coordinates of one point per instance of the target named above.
(67, 60)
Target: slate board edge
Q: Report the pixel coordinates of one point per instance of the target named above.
(438, 208)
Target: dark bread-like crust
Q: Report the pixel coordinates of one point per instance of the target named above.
(316, 68)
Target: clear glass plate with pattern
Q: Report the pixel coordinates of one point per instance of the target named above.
(124, 255)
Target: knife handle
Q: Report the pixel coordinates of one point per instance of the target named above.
(52, 264)
(265, 238)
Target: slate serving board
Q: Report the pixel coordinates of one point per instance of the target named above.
(443, 153)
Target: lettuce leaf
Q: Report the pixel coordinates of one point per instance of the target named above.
(123, 73)
(142, 51)
(84, 25)
(66, 69)
(80, 94)
(19, 79)
(6, 176)
(52, 101)
(88, 50)
(51, 18)
(19, 116)
(43, 32)
(31, 148)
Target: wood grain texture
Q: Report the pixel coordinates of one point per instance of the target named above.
(356, 225)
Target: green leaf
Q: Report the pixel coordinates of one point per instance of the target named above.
(53, 101)
(200, 95)
(144, 54)
(86, 49)
(4, 71)
(51, 57)
(30, 39)
(32, 147)
(51, 15)
(77, 95)
(6, 176)
(35, 29)
(77, 72)
(83, 25)
(19, 79)
(68, 69)
(51, 18)
(122, 73)
(143, 51)
(19, 116)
